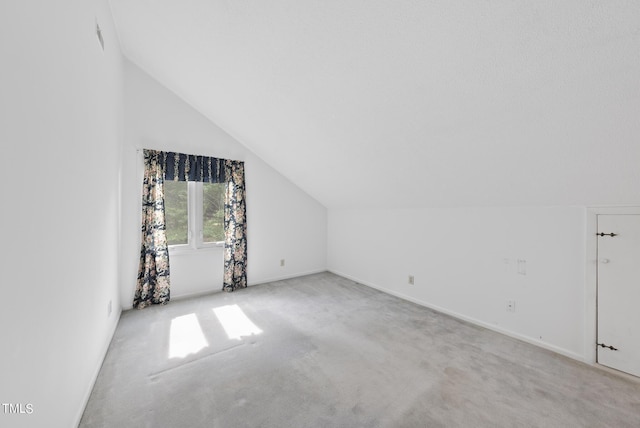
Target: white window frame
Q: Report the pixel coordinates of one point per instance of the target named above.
(195, 222)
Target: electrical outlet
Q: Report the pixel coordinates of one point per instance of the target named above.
(511, 305)
(411, 280)
(522, 267)
(281, 262)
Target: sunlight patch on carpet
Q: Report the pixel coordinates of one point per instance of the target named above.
(235, 322)
(186, 336)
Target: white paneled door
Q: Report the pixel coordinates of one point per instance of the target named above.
(618, 341)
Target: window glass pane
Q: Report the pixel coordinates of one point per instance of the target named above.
(175, 210)
(213, 212)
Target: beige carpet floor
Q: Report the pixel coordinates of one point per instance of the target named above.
(323, 351)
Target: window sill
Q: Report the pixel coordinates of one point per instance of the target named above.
(186, 249)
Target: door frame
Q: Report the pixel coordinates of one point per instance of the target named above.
(591, 274)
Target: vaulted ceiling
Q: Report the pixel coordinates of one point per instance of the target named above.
(409, 103)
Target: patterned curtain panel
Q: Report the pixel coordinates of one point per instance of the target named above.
(235, 227)
(153, 273)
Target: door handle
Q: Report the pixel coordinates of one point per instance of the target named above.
(604, 261)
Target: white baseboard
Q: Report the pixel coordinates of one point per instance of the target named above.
(283, 277)
(96, 372)
(250, 284)
(471, 320)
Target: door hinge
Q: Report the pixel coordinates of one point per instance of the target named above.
(607, 234)
(609, 346)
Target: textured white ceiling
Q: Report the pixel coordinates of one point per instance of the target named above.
(412, 103)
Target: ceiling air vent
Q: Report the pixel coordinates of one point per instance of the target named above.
(99, 34)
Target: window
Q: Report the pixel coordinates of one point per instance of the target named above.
(176, 212)
(194, 213)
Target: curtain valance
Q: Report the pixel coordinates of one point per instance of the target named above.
(184, 167)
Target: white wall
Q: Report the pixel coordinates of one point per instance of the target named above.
(283, 221)
(465, 263)
(61, 134)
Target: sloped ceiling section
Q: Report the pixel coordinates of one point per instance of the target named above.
(367, 103)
